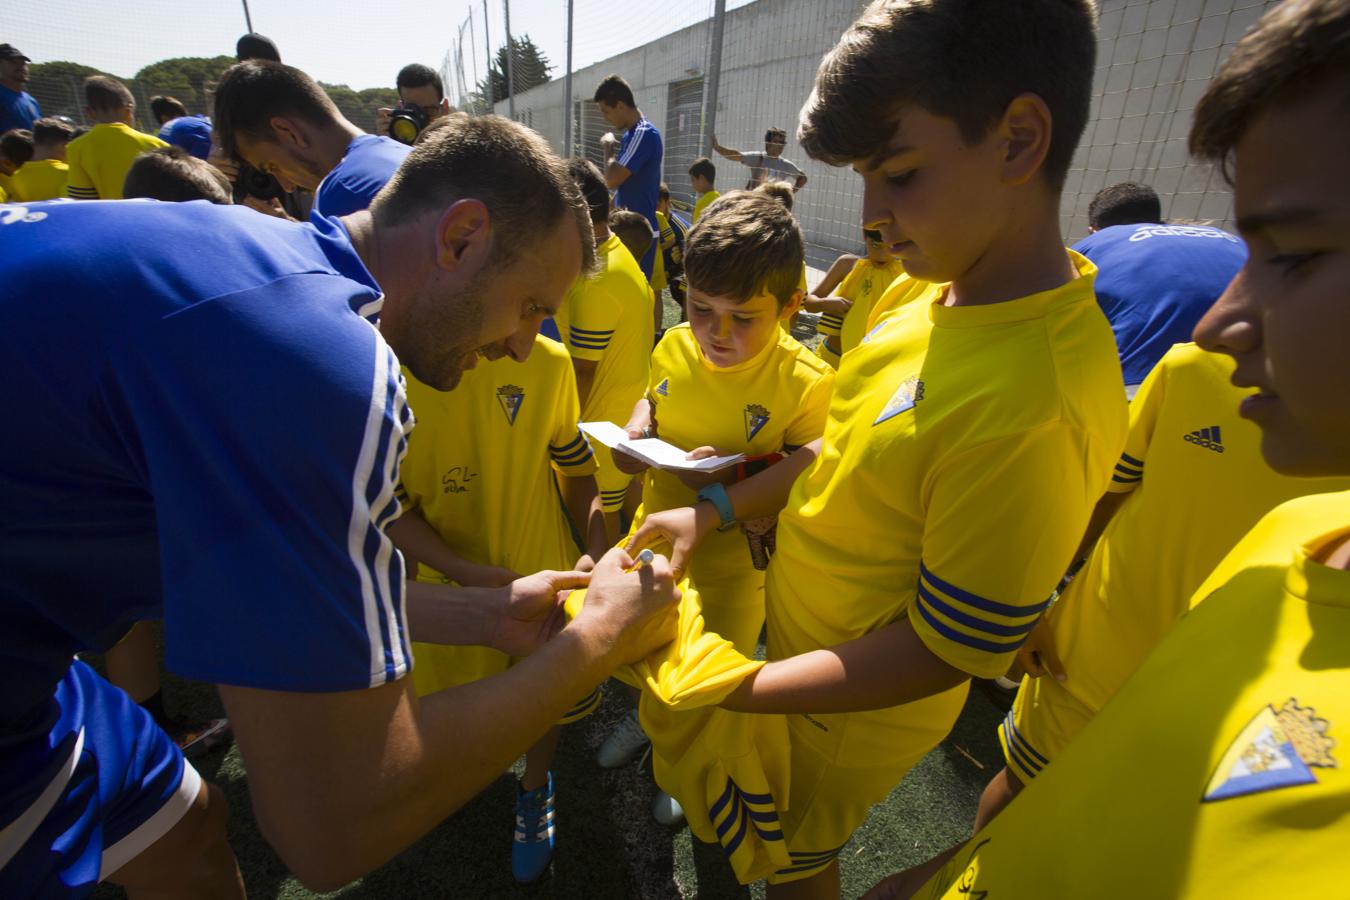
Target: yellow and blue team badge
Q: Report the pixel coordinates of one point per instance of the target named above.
(906, 395)
(756, 417)
(510, 397)
(664, 387)
(1278, 748)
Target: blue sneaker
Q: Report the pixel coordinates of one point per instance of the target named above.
(533, 845)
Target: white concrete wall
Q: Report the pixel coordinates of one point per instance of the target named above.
(1155, 58)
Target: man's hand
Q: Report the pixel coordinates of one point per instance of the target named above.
(382, 117)
(633, 613)
(531, 612)
(682, 527)
(474, 575)
(1037, 655)
(585, 563)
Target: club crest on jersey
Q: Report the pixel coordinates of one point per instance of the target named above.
(510, 397)
(906, 395)
(1278, 748)
(664, 387)
(756, 417)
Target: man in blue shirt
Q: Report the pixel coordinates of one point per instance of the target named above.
(221, 450)
(633, 162)
(18, 109)
(1154, 281)
(278, 119)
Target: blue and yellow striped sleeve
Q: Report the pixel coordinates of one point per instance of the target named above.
(573, 458)
(830, 324)
(1003, 520)
(1129, 471)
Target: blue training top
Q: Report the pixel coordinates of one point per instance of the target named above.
(18, 109)
(205, 425)
(640, 152)
(1156, 281)
(370, 161)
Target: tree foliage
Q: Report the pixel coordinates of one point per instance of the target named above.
(531, 69)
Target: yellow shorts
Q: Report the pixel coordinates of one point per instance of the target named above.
(830, 797)
(437, 667)
(613, 484)
(1044, 718)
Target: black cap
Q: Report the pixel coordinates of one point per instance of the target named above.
(255, 46)
(9, 51)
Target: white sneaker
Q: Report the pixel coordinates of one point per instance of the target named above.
(623, 742)
(666, 809)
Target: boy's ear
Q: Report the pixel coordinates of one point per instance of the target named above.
(794, 303)
(1024, 135)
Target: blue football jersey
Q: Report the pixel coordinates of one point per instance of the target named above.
(205, 425)
(370, 161)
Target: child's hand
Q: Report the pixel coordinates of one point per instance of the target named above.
(627, 463)
(698, 480)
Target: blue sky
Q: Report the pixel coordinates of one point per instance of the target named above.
(362, 44)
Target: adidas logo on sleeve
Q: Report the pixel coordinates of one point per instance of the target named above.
(1208, 438)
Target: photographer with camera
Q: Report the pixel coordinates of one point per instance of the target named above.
(281, 122)
(422, 101)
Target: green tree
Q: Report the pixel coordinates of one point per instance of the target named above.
(59, 87)
(360, 106)
(531, 69)
(189, 78)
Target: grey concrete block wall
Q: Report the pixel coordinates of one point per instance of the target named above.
(1155, 58)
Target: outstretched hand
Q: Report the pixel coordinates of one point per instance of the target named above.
(531, 611)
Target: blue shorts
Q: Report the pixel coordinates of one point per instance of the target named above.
(107, 784)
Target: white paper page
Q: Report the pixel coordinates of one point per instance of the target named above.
(668, 456)
(607, 433)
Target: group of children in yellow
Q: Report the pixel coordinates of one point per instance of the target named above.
(954, 486)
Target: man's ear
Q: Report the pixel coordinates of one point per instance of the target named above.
(464, 237)
(289, 133)
(1024, 134)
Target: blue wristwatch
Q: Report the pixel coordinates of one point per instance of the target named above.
(716, 494)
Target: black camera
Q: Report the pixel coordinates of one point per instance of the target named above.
(406, 122)
(252, 182)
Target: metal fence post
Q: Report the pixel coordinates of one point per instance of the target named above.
(567, 90)
(488, 102)
(510, 63)
(713, 77)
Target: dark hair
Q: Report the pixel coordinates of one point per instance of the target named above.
(663, 192)
(50, 130)
(705, 168)
(166, 108)
(250, 93)
(1127, 203)
(775, 135)
(16, 145)
(614, 90)
(744, 244)
(1291, 50)
(963, 60)
(633, 231)
(103, 92)
(418, 75)
(525, 186)
(255, 46)
(592, 185)
(171, 173)
(780, 191)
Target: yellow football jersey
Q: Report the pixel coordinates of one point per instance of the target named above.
(1218, 769)
(965, 450)
(1199, 483)
(100, 159)
(7, 190)
(774, 402)
(480, 468)
(904, 289)
(702, 203)
(865, 284)
(44, 179)
(608, 319)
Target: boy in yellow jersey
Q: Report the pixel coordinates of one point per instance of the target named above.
(844, 309)
(606, 324)
(969, 435)
(674, 231)
(702, 174)
(16, 149)
(99, 160)
(635, 233)
(1218, 769)
(481, 507)
(44, 176)
(728, 381)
